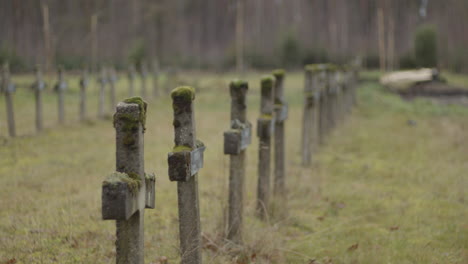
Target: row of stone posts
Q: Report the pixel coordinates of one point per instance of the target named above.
(329, 95)
(107, 84)
(127, 191)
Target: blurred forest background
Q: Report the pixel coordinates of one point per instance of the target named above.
(202, 34)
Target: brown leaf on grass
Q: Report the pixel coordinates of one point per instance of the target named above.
(394, 228)
(353, 247)
(10, 261)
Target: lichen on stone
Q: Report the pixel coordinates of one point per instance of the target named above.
(279, 73)
(186, 93)
(237, 83)
(132, 180)
(266, 116)
(314, 68)
(181, 148)
(142, 105)
(267, 81)
(150, 176)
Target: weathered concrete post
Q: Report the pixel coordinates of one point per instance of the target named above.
(185, 161)
(131, 80)
(128, 191)
(323, 105)
(144, 74)
(60, 88)
(102, 90)
(84, 81)
(236, 140)
(112, 78)
(332, 98)
(9, 89)
(38, 87)
(281, 114)
(155, 68)
(265, 130)
(308, 117)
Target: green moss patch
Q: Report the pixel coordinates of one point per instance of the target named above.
(142, 106)
(267, 81)
(238, 83)
(186, 93)
(279, 73)
(132, 180)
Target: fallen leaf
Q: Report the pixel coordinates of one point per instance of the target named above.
(353, 247)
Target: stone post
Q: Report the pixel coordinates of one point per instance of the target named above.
(236, 140)
(332, 98)
(102, 90)
(307, 117)
(9, 89)
(131, 80)
(144, 74)
(155, 75)
(128, 191)
(112, 78)
(265, 130)
(38, 87)
(324, 106)
(281, 114)
(84, 81)
(60, 88)
(185, 161)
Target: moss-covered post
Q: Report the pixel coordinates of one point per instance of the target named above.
(265, 129)
(131, 80)
(128, 191)
(9, 89)
(155, 75)
(184, 162)
(236, 140)
(281, 114)
(112, 78)
(102, 92)
(60, 88)
(143, 74)
(38, 87)
(84, 81)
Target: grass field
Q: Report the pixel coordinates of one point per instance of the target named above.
(389, 186)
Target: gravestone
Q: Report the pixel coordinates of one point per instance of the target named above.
(185, 160)
(236, 140)
(102, 90)
(155, 68)
(112, 79)
(84, 82)
(128, 191)
(38, 87)
(8, 88)
(131, 80)
(60, 88)
(265, 130)
(143, 74)
(281, 114)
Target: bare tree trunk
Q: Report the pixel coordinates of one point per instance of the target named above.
(240, 37)
(381, 33)
(47, 38)
(94, 42)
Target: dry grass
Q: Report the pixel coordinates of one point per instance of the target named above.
(380, 191)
